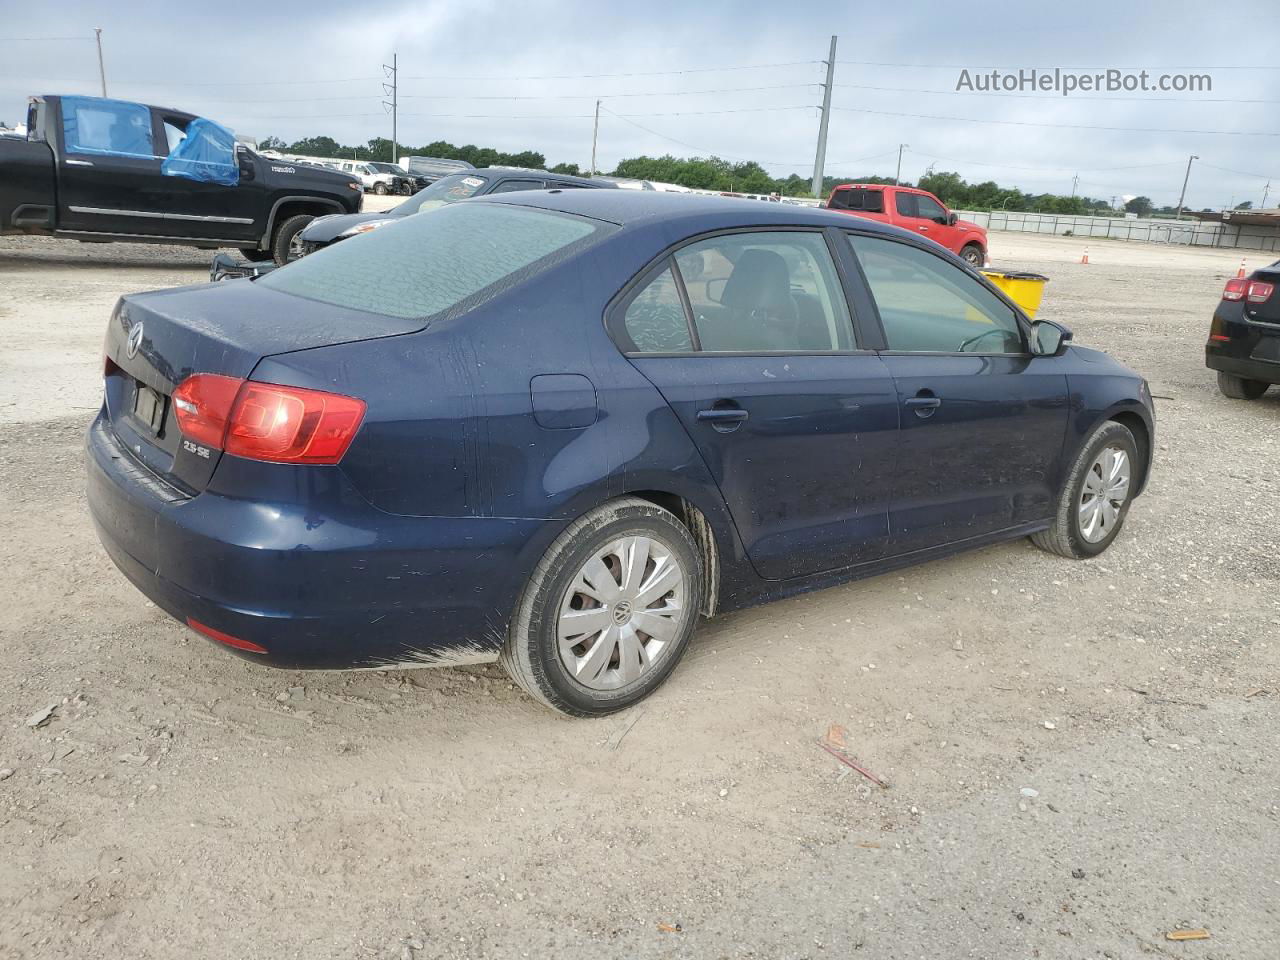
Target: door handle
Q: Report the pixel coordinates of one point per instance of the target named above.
(726, 415)
(924, 405)
(923, 229)
(79, 163)
(723, 419)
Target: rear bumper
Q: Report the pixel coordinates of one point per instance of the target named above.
(332, 583)
(1250, 368)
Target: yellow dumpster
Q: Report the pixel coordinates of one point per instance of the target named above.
(1024, 289)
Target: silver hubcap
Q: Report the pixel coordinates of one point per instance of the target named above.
(621, 613)
(1106, 488)
(295, 246)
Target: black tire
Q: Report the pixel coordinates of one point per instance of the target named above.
(285, 234)
(380, 189)
(255, 255)
(530, 654)
(972, 255)
(1238, 388)
(1065, 536)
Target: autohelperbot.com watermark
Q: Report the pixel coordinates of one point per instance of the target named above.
(1066, 82)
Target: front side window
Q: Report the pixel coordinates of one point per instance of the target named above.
(100, 126)
(423, 265)
(764, 292)
(928, 305)
(929, 208)
(655, 320)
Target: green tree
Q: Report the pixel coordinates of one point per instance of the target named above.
(1142, 206)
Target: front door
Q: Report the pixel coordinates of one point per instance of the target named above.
(201, 209)
(983, 421)
(795, 423)
(922, 214)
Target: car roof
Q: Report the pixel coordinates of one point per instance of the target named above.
(518, 172)
(636, 207)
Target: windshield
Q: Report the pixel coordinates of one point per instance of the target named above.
(456, 186)
(386, 167)
(451, 256)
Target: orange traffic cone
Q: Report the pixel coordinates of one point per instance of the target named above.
(1085, 258)
(1240, 274)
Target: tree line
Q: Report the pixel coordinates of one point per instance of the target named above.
(716, 173)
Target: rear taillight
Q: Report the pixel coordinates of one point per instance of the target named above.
(1255, 291)
(1259, 292)
(266, 421)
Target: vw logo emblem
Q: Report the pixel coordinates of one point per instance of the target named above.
(135, 341)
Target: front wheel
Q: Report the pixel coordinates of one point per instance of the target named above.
(380, 189)
(973, 256)
(1096, 497)
(1238, 388)
(286, 245)
(608, 611)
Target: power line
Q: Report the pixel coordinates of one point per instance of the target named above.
(1063, 126)
(1243, 173)
(663, 136)
(1074, 167)
(1062, 67)
(1046, 96)
(41, 39)
(603, 76)
(606, 96)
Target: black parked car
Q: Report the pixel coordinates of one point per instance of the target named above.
(1244, 338)
(458, 186)
(100, 170)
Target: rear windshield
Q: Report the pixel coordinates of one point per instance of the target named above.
(457, 186)
(422, 265)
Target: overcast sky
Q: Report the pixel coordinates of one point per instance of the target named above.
(296, 69)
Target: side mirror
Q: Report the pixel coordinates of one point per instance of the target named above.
(1049, 339)
(952, 219)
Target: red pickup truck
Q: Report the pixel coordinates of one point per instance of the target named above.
(915, 210)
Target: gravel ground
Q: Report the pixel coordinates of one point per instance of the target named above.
(1081, 755)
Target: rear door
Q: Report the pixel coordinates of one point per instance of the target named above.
(983, 421)
(748, 336)
(108, 168)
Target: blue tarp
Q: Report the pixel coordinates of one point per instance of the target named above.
(100, 126)
(207, 153)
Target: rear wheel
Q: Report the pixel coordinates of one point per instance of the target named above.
(973, 256)
(608, 611)
(1096, 497)
(1238, 388)
(286, 245)
(254, 254)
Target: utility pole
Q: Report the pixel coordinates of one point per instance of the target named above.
(102, 71)
(595, 135)
(821, 158)
(1182, 198)
(1265, 190)
(898, 176)
(1075, 182)
(393, 89)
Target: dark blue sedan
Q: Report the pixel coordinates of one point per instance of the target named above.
(555, 428)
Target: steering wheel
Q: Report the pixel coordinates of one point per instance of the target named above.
(982, 336)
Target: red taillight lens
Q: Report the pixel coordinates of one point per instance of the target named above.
(1235, 289)
(292, 425)
(226, 638)
(266, 421)
(1259, 292)
(202, 405)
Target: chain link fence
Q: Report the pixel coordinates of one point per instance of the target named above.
(1184, 232)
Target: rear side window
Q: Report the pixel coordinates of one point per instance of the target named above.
(514, 186)
(906, 204)
(97, 125)
(655, 320)
(425, 264)
(928, 305)
(762, 292)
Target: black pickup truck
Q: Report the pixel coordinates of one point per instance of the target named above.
(103, 171)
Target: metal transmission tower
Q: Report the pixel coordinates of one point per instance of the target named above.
(821, 158)
(392, 90)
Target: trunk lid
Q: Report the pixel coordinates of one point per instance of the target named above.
(156, 340)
